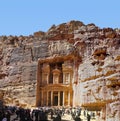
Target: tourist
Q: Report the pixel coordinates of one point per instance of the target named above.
(88, 117)
(77, 118)
(4, 117)
(51, 114)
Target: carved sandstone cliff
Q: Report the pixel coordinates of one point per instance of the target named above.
(96, 82)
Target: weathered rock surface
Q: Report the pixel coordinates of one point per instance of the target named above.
(96, 81)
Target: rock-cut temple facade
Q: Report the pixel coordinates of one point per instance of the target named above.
(55, 83)
(72, 64)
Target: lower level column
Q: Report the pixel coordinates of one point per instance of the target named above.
(41, 98)
(58, 98)
(51, 98)
(63, 98)
(47, 97)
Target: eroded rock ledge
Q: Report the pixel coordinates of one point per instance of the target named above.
(97, 75)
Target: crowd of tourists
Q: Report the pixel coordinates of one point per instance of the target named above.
(6, 112)
(41, 114)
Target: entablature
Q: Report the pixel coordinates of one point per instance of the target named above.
(57, 87)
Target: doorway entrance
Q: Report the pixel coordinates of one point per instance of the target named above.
(55, 98)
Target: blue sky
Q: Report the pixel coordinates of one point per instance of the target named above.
(24, 17)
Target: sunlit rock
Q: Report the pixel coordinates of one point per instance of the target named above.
(72, 64)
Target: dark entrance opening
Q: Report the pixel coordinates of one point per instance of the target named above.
(61, 98)
(55, 100)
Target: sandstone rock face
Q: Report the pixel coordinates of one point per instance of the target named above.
(96, 82)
